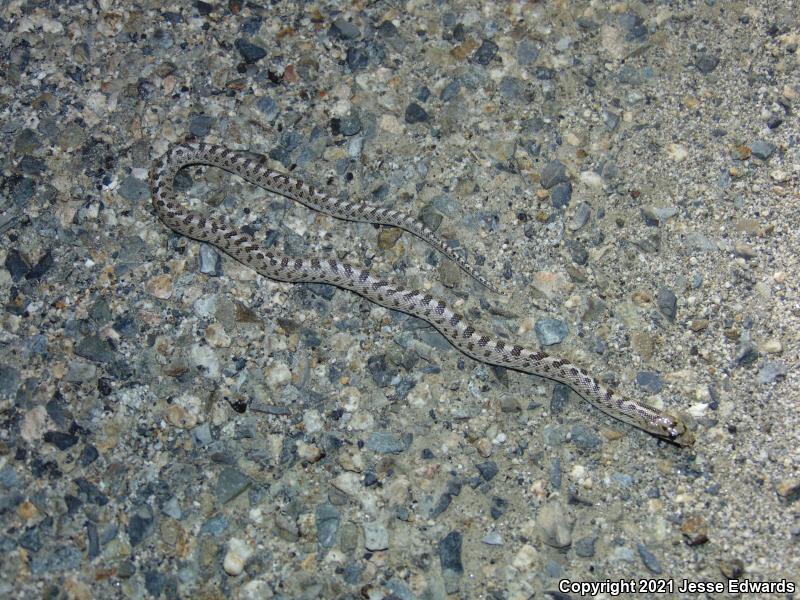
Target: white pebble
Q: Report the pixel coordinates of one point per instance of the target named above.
(278, 375)
(238, 553)
(312, 421)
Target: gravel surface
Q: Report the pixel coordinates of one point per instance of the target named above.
(176, 426)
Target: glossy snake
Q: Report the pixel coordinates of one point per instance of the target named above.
(483, 347)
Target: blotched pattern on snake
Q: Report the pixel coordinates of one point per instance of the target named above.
(483, 347)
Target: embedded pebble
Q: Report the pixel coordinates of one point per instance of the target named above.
(584, 547)
(771, 371)
(667, 303)
(649, 381)
(230, 483)
(376, 537)
(555, 528)
(160, 287)
(493, 538)
(762, 150)
(554, 172)
(236, 556)
(278, 375)
(205, 360)
(649, 559)
(550, 331)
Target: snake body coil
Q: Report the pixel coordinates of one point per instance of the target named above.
(480, 346)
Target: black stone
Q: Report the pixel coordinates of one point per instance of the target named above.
(487, 469)
(706, 63)
(450, 553)
(16, 264)
(249, 52)
(486, 52)
(59, 439)
(415, 114)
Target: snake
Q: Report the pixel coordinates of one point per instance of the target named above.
(483, 347)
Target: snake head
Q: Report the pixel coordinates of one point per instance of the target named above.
(673, 430)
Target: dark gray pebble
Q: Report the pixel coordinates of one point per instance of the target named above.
(140, 525)
(649, 560)
(486, 52)
(63, 558)
(499, 507)
(577, 251)
(415, 114)
(27, 142)
(559, 399)
(30, 539)
(584, 547)
(746, 354)
(774, 121)
(487, 469)
(422, 93)
(60, 440)
(555, 474)
(327, 520)
(762, 150)
(450, 91)
(667, 302)
(706, 63)
(93, 348)
(250, 52)
(134, 189)
(268, 106)
(527, 52)
(352, 573)
(252, 25)
(387, 29)
(9, 381)
(200, 125)
(30, 165)
(514, 90)
(163, 38)
(634, 25)
(584, 438)
(93, 546)
(348, 125)
(23, 191)
(323, 290)
(126, 569)
(560, 194)
(344, 29)
(553, 173)
(91, 492)
(230, 483)
(154, 582)
(42, 266)
(89, 454)
(649, 381)
(357, 58)
(386, 442)
(450, 553)
(381, 373)
(441, 505)
(611, 120)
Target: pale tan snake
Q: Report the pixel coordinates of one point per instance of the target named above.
(480, 346)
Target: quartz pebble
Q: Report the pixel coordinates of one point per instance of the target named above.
(236, 556)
